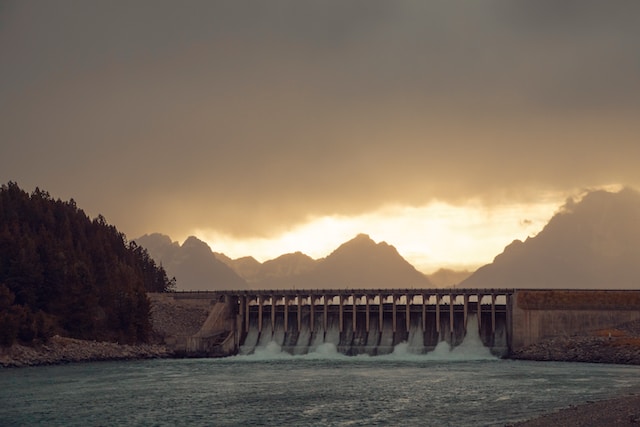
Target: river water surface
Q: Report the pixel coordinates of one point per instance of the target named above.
(461, 388)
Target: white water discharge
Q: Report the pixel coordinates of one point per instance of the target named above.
(471, 347)
(326, 346)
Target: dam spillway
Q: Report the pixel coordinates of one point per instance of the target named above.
(368, 321)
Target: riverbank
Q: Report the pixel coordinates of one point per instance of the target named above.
(616, 412)
(583, 349)
(168, 320)
(67, 350)
(619, 345)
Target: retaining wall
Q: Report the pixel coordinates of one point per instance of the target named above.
(541, 314)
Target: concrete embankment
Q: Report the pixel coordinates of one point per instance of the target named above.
(66, 350)
(174, 319)
(195, 324)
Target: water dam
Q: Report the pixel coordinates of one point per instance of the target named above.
(354, 322)
(375, 322)
(372, 324)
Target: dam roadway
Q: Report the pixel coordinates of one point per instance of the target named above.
(374, 321)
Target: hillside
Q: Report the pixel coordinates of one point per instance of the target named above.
(589, 243)
(63, 273)
(193, 264)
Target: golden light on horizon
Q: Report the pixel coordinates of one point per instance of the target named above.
(437, 235)
(265, 130)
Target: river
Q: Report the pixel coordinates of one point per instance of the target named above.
(465, 387)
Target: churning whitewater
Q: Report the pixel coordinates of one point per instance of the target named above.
(269, 346)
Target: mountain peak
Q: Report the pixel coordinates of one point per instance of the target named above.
(362, 242)
(194, 242)
(155, 240)
(363, 263)
(194, 265)
(363, 237)
(590, 243)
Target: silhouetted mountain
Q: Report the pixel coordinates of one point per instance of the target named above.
(246, 267)
(591, 243)
(358, 263)
(222, 257)
(278, 272)
(159, 246)
(361, 263)
(288, 265)
(446, 278)
(193, 264)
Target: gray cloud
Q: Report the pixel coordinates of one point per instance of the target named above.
(250, 116)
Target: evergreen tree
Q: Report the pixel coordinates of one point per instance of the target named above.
(63, 272)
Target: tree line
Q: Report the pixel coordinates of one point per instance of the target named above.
(64, 273)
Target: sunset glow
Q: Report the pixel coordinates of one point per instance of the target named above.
(430, 237)
(265, 129)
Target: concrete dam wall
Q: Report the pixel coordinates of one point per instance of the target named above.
(542, 314)
(370, 324)
(354, 322)
(374, 322)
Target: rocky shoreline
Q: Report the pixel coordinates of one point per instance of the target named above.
(620, 349)
(168, 319)
(617, 412)
(61, 350)
(619, 345)
(582, 349)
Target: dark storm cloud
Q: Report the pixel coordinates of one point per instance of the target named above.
(245, 116)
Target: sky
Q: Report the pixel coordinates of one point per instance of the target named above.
(445, 128)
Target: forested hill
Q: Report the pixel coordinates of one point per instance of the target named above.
(61, 272)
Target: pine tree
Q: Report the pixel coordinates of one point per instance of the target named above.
(63, 272)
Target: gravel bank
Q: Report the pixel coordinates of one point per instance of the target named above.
(619, 345)
(171, 318)
(65, 350)
(583, 349)
(617, 412)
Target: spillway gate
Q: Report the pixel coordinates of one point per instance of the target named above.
(371, 321)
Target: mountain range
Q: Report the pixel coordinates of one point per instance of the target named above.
(358, 263)
(591, 242)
